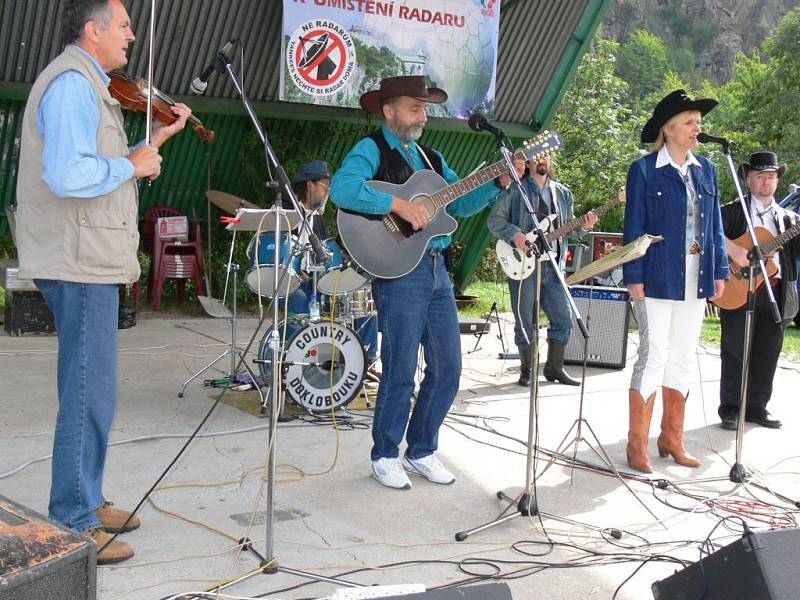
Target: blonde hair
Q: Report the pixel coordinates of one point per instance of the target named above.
(662, 138)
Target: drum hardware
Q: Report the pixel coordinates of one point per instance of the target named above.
(237, 355)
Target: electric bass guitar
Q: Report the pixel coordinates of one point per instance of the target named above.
(519, 265)
(735, 295)
(386, 246)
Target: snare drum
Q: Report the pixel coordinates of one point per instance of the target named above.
(355, 304)
(261, 254)
(330, 349)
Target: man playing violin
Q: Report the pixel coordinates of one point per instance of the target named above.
(77, 237)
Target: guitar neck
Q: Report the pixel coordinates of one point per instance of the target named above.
(780, 239)
(454, 191)
(578, 222)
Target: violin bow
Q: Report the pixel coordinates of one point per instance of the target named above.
(149, 117)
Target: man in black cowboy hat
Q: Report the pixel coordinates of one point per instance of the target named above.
(419, 307)
(761, 174)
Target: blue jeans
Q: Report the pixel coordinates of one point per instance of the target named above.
(554, 303)
(418, 308)
(86, 320)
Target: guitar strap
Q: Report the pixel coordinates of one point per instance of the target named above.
(425, 158)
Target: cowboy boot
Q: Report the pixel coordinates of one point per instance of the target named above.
(554, 367)
(524, 366)
(671, 439)
(640, 413)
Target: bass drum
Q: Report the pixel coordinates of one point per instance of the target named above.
(338, 363)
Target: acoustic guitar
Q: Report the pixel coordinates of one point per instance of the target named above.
(386, 246)
(735, 295)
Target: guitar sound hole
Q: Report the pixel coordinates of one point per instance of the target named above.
(427, 202)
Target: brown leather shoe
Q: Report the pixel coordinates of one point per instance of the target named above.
(112, 519)
(108, 554)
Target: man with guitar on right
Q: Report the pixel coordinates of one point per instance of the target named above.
(761, 174)
(510, 221)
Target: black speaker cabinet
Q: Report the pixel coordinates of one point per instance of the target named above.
(40, 560)
(607, 322)
(760, 566)
(488, 591)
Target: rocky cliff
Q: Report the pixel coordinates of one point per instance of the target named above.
(702, 34)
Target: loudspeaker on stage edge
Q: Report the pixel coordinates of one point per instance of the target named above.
(607, 322)
(759, 566)
(40, 560)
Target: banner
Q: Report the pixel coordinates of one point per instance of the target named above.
(335, 50)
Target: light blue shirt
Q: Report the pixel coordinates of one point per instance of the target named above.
(349, 187)
(68, 118)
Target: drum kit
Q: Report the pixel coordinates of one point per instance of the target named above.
(324, 359)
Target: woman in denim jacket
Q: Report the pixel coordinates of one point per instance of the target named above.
(673, 193)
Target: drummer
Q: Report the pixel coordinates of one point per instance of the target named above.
(310, 186)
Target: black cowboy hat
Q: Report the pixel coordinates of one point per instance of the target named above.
(762, 161)
(673, 104)
(404, 85)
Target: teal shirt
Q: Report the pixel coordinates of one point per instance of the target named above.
(349, 187)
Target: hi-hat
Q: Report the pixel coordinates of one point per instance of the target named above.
(228, 202)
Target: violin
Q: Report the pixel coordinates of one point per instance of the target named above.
(132, 95)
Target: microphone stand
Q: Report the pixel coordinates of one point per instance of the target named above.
(525, 502)
(739, 473)
(268, 561)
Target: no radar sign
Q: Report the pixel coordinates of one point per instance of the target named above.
(321, 57)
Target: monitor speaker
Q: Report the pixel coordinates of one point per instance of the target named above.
(759, 565)
(607, 322)
(40, 560)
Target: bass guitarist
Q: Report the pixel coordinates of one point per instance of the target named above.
(761, 174)
(417, 308)
(510, 221)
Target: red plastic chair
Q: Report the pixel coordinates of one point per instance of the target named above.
(171, 259)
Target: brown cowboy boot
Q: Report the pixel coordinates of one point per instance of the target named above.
(640, 413)
(671, 439)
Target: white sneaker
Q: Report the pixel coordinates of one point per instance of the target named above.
(390, 472)
(429, 467)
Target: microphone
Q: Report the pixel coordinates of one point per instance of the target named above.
(478, 122)
(199, 84)
(705, 138)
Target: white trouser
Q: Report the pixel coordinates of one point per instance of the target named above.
(668, 334)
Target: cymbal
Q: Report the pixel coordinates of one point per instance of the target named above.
(228, 202)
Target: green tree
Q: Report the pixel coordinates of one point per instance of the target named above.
(642, 61)
(600, 132)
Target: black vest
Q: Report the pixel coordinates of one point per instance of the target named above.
(394, 168)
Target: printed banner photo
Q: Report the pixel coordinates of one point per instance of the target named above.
(335, 50)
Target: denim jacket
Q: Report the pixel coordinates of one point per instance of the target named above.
(509, 215)
(656, 204)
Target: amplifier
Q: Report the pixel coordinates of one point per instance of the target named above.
(759, 566)
(607, 320)
(40, 560)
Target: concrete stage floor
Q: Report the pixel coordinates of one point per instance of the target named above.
(331, 517)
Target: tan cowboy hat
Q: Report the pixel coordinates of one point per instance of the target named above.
(404, 85)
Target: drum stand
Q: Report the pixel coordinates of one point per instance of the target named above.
(236, 354)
